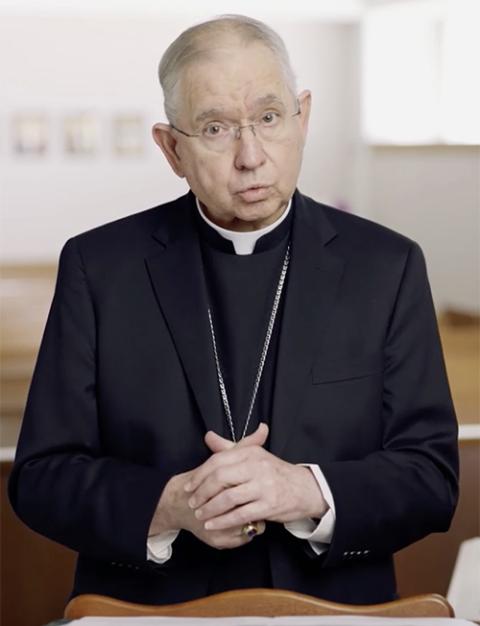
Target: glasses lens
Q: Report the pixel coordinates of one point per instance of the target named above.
(268, 128)
(218, 143)
(272, 130)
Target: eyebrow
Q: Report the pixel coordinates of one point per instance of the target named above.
(270, 98)
(261, 101)
(209, 113)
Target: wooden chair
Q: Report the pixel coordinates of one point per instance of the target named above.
(258, 602)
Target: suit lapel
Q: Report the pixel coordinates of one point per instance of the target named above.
(178, 280)
(314, 277)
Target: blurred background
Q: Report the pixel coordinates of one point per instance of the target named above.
(394, 137)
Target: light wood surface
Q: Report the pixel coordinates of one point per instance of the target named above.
(263, 602)
(460, 336)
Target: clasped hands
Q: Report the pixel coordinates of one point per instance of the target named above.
(240, 483)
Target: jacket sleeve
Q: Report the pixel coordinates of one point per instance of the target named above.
(409, 487)
(63, 485)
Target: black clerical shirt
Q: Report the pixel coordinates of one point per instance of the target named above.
(241, 290)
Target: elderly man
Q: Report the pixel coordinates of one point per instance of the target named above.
(242, 387)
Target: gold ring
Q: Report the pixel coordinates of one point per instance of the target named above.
(250, 530)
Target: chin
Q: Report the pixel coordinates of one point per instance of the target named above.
(262, 209)
(253, 215)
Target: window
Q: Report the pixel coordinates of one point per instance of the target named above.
(420, 67)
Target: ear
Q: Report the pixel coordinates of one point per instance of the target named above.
(163, 137)
(305, 101)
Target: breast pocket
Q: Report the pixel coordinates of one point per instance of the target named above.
(338, 370)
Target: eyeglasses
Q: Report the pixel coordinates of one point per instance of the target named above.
(219, 136)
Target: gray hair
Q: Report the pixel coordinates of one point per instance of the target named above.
(196, 42)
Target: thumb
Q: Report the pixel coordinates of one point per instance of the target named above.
(257, 438)
(216, 443)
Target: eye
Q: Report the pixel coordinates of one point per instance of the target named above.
(214, 129)
(270, 118)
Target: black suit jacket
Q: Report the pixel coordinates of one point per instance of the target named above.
(125, 388)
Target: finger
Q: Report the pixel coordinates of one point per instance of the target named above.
(226, 457)
(231, 537)
(260, 525)
(257, 438)
(218, 481)
(217, 460)
(226, 500)
(234, 537)
(238, 517)
(217, 443)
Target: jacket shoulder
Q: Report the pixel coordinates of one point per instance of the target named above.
(115, 241)
(360, 234)
(141, 222)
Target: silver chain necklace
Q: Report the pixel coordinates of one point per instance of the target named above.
(221, 384)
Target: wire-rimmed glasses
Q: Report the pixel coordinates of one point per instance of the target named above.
(270, 125)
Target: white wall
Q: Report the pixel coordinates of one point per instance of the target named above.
(432, 194)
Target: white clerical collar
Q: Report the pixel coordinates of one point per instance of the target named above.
(244, 243)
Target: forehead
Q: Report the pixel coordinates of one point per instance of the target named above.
(233, 78)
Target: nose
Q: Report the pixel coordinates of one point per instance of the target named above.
(249, 153)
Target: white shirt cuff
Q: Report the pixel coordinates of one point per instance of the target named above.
(319, 536)
(159, 547)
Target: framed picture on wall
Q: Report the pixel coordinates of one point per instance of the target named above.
(80, 134)
(128, 135)
(30, 134)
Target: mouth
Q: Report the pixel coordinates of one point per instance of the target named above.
(254, 193)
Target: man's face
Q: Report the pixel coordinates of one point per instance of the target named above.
(247, 184)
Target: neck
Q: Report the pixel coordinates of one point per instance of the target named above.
(241, 226)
